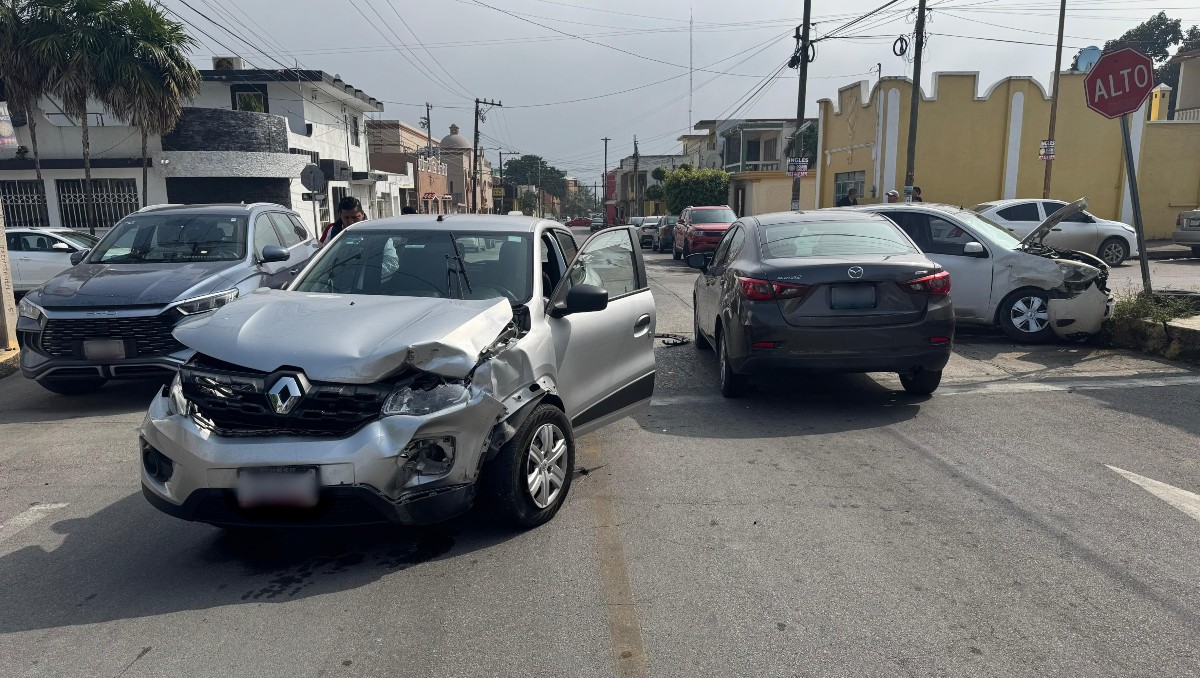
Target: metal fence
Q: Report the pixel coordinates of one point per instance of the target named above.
(113, 200)
(24, 203)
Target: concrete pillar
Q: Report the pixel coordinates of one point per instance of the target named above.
(1160, 102)
(8, 306)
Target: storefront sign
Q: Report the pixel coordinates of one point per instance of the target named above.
(1047, 152)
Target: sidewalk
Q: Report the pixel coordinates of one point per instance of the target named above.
(1165, 249)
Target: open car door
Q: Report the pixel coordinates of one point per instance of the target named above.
(605, 357)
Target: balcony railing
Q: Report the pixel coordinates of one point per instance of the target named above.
(754, 166)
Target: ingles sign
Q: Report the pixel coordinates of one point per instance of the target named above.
(8, 135)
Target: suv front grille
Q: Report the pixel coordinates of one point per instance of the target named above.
(234, 403)
(144, 336)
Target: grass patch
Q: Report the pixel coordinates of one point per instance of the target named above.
(1131, 308)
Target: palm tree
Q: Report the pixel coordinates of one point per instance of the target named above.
(75, 41)
(24, 76)
(153, 76)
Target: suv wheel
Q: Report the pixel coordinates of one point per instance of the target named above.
(531, 476)
(71, 386)
(921, 382)
(1025, 316)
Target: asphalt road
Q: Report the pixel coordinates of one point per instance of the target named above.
(828, 526)
(1165, 274)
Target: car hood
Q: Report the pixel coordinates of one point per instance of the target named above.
(1036, 235)
(97, 285)
(354, 339)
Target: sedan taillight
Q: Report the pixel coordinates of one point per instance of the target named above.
(765, 290)
(938, 283)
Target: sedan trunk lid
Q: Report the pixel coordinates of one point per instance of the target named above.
(843, 292)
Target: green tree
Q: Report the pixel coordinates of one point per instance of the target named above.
(533, 170)
(579, 202)
(688, 187)
(654, 192)
(24, 77)
(154, 75)
(528, 202)
(660, 175)
(74, 40)
(1155, 37)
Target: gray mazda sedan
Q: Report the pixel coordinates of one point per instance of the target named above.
(822, 291)
(111, 315)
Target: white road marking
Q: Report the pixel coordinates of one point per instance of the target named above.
(1183, 500)
(26, 518)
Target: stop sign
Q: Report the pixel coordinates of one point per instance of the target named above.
(1119, 83)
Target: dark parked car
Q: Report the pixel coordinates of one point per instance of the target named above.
(666, 233)
(822, 291)
(111, 316)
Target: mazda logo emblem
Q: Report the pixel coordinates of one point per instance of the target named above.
(855, 272)
(285, 395)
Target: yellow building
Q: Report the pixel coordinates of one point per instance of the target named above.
(974, 147)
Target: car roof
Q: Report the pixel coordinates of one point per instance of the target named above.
(928, 207)
(214, 208)
(829, 215)
(491, 223)
(709, 207)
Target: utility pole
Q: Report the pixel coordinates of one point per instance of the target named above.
(429, 129)
(475, 154)
(801, 95)
(605, 178)
(915, 103)
(8, 308)
(637, 180)
(690, 62)
(1062, 20)
(503, 192)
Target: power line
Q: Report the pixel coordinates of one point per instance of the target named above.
(415, 61)
(418, 39)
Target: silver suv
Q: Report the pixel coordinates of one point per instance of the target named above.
(111, 315)
(402, 371)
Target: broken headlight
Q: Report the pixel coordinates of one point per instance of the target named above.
(416, 401)
(177, 403)
(430, 457)
(1075, 273)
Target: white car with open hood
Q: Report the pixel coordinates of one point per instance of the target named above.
(399, 373)
(1031, 290)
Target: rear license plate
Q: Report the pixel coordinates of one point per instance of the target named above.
(848, 297)
(294, 486)
(104, 349)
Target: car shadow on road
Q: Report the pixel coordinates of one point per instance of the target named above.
(22, 401)
(128, 561)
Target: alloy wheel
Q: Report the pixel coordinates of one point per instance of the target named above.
(545, 469)
(1113, 253)
(1029, 314)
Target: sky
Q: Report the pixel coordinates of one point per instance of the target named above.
(570, 72)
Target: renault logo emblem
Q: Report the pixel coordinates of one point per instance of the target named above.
(855, 272)
(285, 395)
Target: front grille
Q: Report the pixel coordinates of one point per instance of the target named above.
(144, 336)
(234, 403)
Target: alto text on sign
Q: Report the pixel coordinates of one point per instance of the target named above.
(1119, 83)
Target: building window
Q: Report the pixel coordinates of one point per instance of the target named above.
(354, 131)
(844, 181)
(752, 150)
(24, 203)
(112, 199)
(770, 149)
(251, 98)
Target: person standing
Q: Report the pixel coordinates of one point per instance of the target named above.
(893, 196)
(916, 197)
(851, 198)
(350, 212)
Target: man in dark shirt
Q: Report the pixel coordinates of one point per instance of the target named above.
(851, 198)
(350, 212)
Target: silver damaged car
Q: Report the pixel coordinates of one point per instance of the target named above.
(401, 373)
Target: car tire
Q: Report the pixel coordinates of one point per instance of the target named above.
(654, 246)
(1024, 316)
(697, 337)
(687, 250)
(733, 385)
(1113, 251)
(519, 501)
(921, 382)
(1196, 250)
(675, 254)
(71, 386)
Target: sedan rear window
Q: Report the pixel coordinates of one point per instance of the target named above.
(787, 241)
(722, 216)
(420, 263)
(166, 238)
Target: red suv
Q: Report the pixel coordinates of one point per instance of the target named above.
(700, 229)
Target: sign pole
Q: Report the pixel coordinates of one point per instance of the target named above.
(8, 310)
(1131, 175)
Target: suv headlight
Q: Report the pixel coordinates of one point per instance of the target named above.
(407, 400)
(28, 309)
(209, 302)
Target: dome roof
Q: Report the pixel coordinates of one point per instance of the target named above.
(455, 140)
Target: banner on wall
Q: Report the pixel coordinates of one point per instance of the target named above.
(8, 134)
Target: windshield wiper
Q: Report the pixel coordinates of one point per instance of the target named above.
(462, 266)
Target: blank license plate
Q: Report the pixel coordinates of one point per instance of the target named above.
(104, 349)
(852, 297)
(277, 486)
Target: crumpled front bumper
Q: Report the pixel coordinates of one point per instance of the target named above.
(361, 477)
(1081, 314)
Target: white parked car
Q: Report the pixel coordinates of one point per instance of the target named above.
(1112, 241)
(648, 230)
(36, 255)
(1031, 290)
(1187, 231)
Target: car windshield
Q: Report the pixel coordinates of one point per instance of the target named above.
(159, 238)
(721, 216)
(420, 263)
(833, 239)
(670, 221)
(650, 221)
(989, 230)
(983, 206)
(81, 240)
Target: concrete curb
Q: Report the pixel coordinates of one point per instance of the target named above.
(1176, 340)
(10, 363)
(1176, 252)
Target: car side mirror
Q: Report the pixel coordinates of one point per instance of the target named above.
(79, 256)
(581, 298)
(699, 260)
(271, 253)
(61, 247)
(974, 249)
